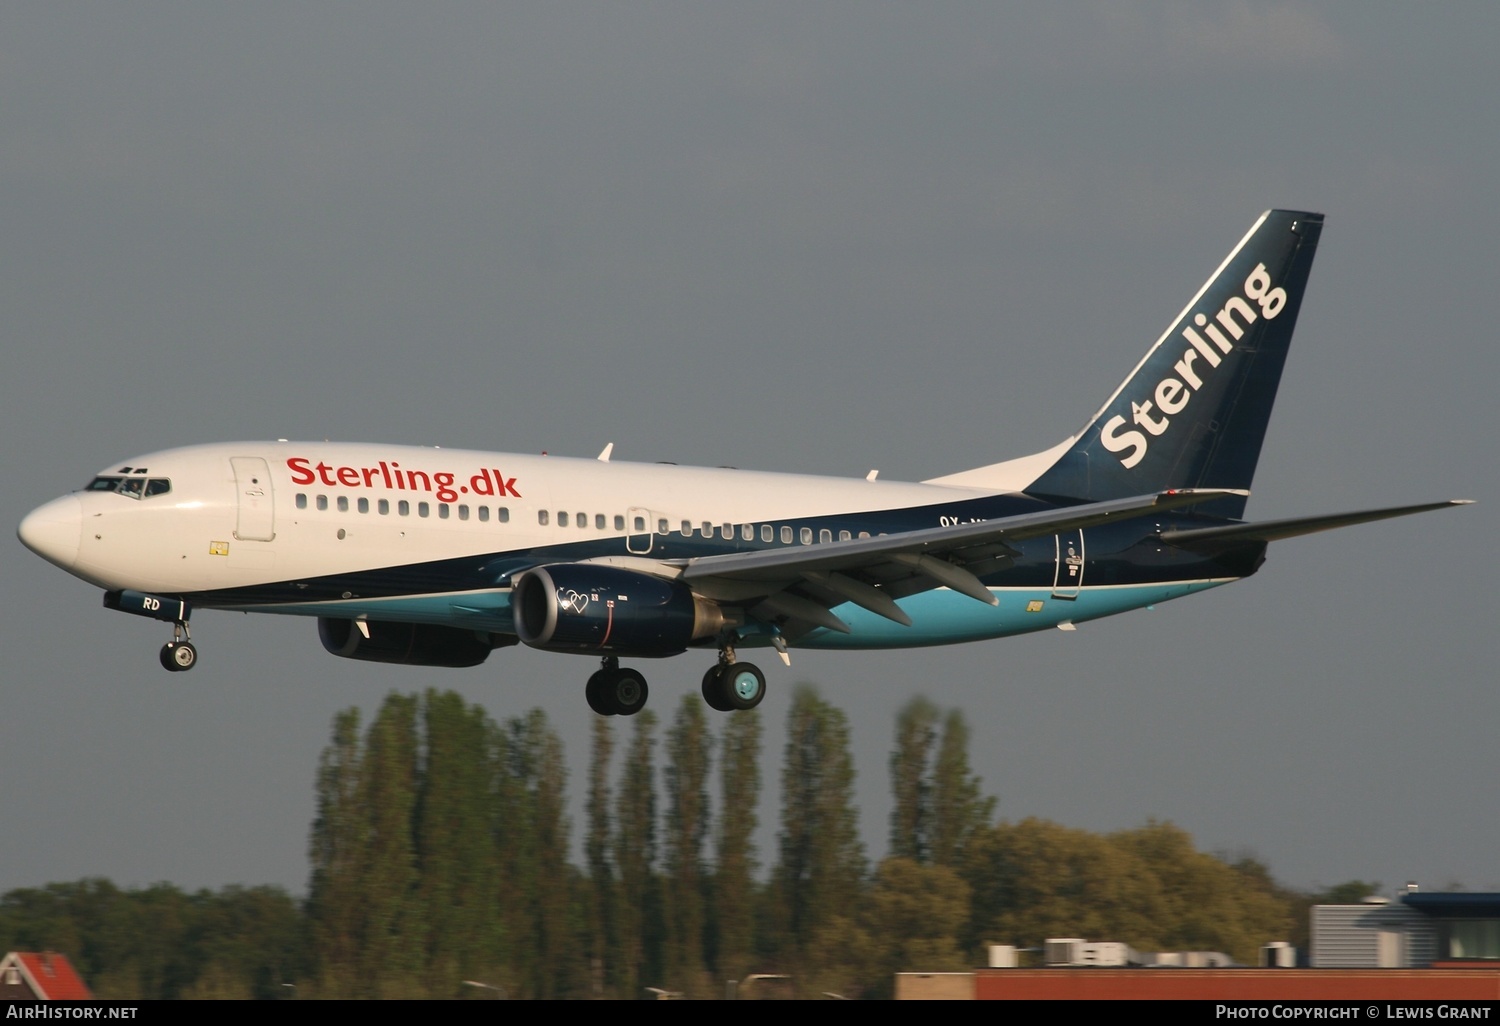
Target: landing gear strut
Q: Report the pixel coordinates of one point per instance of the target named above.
(613, 691)
(179, 654)
(731, 685)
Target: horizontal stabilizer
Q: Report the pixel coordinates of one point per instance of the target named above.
(1274, 530)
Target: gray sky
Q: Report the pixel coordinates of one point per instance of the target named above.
(817, 238)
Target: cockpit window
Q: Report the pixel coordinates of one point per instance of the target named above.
(135, 487)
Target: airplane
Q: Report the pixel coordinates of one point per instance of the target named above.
(436, 557)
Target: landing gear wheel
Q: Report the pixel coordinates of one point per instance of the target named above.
(596, 692)
(742, 685)
(628, 692)
(713, 689)
(612, 691)
(177, 656)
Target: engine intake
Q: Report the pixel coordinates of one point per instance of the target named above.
(573, 607)
(409, 644)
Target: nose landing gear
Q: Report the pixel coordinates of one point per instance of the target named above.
(179, 654)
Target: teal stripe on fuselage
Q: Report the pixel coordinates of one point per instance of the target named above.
(939, 617)
(944, 617)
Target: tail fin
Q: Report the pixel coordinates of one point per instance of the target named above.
(1194, 412)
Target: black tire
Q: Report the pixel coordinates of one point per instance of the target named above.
(628, 691)
(713, 690)
(744, 686)
(597, 693)
(167, 662)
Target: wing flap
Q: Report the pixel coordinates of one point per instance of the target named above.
(797, 587)
(787, 564)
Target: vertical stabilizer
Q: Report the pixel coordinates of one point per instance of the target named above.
(1194, 412)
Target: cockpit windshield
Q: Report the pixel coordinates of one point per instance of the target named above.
(135, 487)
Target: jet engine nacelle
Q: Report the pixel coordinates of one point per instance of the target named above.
(409, 644)
(586, 607)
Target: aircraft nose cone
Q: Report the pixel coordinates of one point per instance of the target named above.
(52, 531)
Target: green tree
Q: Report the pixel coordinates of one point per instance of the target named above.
(161, 943)
(913, 916)
(455, 845)
(689, 757)
(336, 851)
(554, 932)
(734, 878)
(598, 850)
(911, 784)
(635, 858)
(537, 885)
(391, 924)
(821, 868)
(1207, 904)
(1149, 888)
(959, 809)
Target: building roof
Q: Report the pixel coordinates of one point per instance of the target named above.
(1455, 904)
(49, 975)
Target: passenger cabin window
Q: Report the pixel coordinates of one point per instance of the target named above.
(825, 536)
(599, 521)
(484, 514)
(301, 500)
(806, 536)
(786, 536)
(343, 503)
(403, 508)
(383, 507)
(562, 518)
(661, 526)
(423, 509)
(504, 515)
(364, 505)
(463, 512)
(323, 502)
(582, 520)
(541, 517)
(442, 511)
(767, 533)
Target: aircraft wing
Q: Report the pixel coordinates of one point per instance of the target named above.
(1274, 530)
(797, 586)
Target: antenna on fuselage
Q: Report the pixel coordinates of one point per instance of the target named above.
(604, 456)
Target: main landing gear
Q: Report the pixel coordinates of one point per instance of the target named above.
(616, 692)
(179, 654)
(730, 685)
